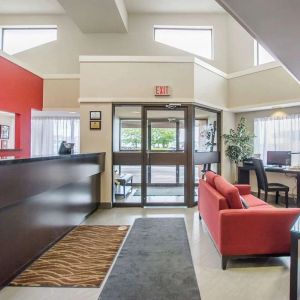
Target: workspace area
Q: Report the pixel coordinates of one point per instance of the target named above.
(279, 172)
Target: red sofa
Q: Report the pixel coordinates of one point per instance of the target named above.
(259, 229)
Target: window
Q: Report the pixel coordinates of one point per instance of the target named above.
(205, 130)
(127, 128)
(47, 133)
(131, 135)
(195, 40)
(261, 56)
(18, 39)
(277, 134)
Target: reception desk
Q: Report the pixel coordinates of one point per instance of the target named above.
(41, 199)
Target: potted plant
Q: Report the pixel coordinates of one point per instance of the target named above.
(239, 143)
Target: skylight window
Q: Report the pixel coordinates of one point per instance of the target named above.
(195, 40)
(18, 39)
(261, 55)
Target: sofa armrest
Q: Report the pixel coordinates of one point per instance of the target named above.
(244, 189)
(259, 231)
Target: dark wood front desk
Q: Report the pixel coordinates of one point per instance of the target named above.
(244, 176)
(41, 199)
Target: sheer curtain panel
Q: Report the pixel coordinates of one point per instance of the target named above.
(277, 134)
(48, 132)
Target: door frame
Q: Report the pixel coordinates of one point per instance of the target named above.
(146, 156)
(136, 157)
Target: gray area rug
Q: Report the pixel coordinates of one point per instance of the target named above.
(155, 263)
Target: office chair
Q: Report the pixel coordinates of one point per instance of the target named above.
(263, 184)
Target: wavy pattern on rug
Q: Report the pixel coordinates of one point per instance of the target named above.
(81, 259)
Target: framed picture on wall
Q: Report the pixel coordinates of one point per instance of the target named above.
(4, 132)
(95, 125)
(4, 144)
(95, 115)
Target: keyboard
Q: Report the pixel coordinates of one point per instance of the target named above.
(296, 168)
(274, 168)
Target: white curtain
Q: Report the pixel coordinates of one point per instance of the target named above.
(48, 132)
(277, 134)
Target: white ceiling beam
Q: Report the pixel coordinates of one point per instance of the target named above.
(97, 16)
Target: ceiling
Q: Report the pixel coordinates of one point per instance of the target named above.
(133, 6)
(173, 6)
(94, 16)
(30, 7)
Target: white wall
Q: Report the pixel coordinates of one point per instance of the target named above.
(233, 46)
(98, 141)
(268, 87)
(135, 81)
(62, 56)
(210, 88)
(240, 48)
(61, 94)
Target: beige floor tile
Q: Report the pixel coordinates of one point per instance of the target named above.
(251, 279)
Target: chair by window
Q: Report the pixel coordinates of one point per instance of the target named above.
(263, 184)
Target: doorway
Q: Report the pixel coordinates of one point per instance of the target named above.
(156, 157)
(164, 155)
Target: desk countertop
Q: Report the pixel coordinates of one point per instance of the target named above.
(275, 170)
(9, 160)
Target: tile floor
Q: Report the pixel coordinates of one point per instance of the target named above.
(252, 279)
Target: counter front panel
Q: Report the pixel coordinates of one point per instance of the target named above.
(40, 201)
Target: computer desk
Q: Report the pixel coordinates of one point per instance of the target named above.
(244, 176)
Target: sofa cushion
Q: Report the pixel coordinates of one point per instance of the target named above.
(229, 191)
(244, 189)
(260, 207)
(254, 201)
(210, 178)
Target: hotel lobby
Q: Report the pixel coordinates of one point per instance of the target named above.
(149, 149)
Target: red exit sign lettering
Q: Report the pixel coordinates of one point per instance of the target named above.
(162, 90)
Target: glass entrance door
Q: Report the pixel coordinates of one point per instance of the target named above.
(164, 156)
(161, 151)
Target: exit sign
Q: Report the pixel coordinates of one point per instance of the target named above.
(162, 90)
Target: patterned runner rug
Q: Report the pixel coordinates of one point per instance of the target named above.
(81, 259)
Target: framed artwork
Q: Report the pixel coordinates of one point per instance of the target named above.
(4, 144)
(95, 115)
(95, 125)
(4, 132)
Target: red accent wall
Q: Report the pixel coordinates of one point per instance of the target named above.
(20, 92)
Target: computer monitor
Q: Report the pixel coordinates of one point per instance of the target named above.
(279, 158)
(66, 148)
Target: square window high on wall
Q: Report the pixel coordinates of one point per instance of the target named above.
(197, 40)
(261, 55)
(15, 39)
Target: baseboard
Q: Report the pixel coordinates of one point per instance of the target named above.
(105, 205)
